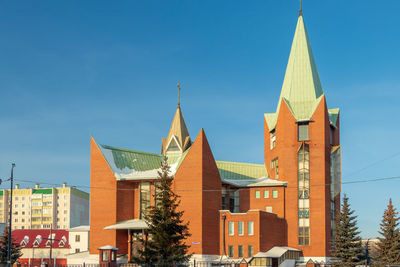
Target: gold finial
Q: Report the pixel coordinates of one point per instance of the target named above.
(300, 12)
(179, 89)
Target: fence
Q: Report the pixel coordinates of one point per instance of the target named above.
(188, 264)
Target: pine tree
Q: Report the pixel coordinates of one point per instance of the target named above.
(388, 247)
(167, 231)
(348, 248)
(15, 248)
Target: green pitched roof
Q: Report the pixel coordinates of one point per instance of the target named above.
(240, 171)
(301, 89)
(130, 164)
(333, 115)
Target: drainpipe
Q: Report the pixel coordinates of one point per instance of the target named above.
(223, 234)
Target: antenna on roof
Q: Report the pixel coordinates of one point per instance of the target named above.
(179, 89)
(300, 11)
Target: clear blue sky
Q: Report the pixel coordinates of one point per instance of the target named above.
(72, 69)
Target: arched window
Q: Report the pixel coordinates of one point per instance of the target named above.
(303, 174)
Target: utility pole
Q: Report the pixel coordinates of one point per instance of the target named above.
(10, 218)
(51, 243)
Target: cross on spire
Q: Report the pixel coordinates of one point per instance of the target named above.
(300, 11)
(179, 89)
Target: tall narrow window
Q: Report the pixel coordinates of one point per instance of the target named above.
(144, 198)
(250, 251)
(250, 228)
(275, 165)
(231, 229)
(230, 251)
(272, 138)
(303, 131)
(303, 175)
(240, 228)
(240, 251)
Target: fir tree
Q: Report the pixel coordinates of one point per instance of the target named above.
(167, 231)
(348, 248)
(15, 248)
(388, 247)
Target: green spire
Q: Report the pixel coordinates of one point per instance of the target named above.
(301, 88)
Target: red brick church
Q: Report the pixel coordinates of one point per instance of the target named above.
(238, 210)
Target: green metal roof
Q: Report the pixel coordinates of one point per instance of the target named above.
(333, 115)
(42, 191)
(240, 171)
(131, 164)
(301, 89)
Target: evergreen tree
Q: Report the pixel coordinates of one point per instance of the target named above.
(348, 249)
(167, 231)
(388, 247)
(15, 248)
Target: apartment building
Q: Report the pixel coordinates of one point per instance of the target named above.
(43, 208)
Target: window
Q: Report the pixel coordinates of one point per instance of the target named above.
(105, 255)
(231, 230)
(112, 255)
(77, 250)
(304, 213)
(250, 251)
(257, 194)
(274, 193)
(266, 193)
(303, 131)
(240, 228)
(272, 138)
(23, 220)
(23, 198)
(77, 238)
(16, 205)
(173, 146)
(304, 236)
(230, 251)
(16, 220)
(275, 165)
(250, 228)
(16, 198)
(65, 211)
(268, 209)
(240, 251)
(144, 198)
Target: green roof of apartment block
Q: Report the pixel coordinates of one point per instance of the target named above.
(42, 191)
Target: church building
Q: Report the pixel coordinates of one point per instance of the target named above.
(238, 210)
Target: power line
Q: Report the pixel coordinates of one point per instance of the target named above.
(380, 179)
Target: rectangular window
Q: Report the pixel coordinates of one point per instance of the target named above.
(275, 165)
(304, 213)
(274, 193)
(230, 251)
(77, 238)
(272, 139)
(105, 255)
(240, 251)
(250, 251)
(144, 198)
(257, 194)
(304, 236)
(77, 250)
(303, 132)
(269, 209)
(250, 228)
(231, 226)
(240, 228)
(266, 193)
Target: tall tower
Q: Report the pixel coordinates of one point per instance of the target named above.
(301, 146)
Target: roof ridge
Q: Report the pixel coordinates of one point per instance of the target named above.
(243, 163)
(130, 150)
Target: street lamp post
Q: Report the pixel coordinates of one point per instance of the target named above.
(10, 219)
